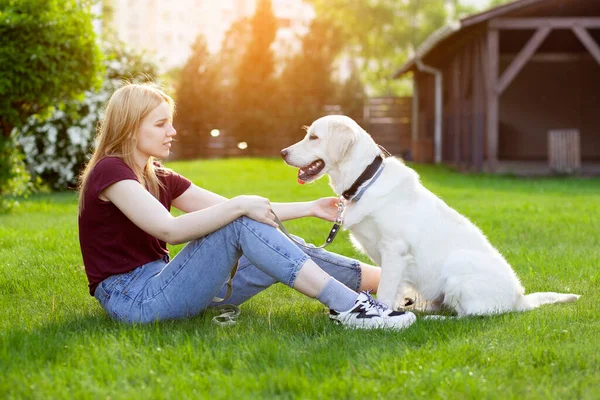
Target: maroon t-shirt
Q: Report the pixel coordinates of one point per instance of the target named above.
(110, 243)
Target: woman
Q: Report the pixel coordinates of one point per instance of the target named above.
(125, 223)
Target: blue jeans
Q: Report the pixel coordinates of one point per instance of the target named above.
(186, 285)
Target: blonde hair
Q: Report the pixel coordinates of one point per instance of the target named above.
(117, 134)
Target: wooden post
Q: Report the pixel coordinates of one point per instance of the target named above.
(493, 51)
(415, 111)
(456, 112)
(466, 125)
(477, 107)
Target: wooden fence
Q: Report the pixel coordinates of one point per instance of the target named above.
(387, 119)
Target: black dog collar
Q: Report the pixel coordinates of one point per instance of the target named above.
(365, 176)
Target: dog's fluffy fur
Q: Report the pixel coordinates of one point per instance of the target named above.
(420, 242)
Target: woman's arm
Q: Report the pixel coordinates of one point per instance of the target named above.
(195, 198)
(151, 216)
(325, 208)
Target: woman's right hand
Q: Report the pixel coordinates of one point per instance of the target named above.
(256, 207)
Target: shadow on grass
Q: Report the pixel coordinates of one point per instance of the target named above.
(279, 338)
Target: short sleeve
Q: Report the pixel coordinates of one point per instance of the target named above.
(175, 184)
(178, 184)
(107, 171)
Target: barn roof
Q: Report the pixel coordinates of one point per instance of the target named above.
(451, 30)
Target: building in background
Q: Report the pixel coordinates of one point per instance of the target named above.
(168, 29)
(511, 90)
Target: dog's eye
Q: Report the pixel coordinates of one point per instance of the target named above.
(312, 137)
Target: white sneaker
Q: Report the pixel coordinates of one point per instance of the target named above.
(368, 313)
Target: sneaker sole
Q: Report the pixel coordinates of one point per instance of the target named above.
(407, 320)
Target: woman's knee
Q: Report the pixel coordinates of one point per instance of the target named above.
(249, 222)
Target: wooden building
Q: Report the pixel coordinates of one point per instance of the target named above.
(512, 89)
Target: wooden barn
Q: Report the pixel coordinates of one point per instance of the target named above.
(513, 89)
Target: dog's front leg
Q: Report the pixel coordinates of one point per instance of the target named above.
(393, 267)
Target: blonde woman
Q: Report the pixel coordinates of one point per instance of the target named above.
(125, 223)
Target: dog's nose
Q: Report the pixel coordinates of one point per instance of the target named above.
(284, 153)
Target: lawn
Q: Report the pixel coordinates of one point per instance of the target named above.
(56, 342)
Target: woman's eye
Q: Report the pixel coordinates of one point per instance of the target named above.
(312, 137)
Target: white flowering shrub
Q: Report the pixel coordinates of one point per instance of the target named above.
(57, 147)
(15, 181)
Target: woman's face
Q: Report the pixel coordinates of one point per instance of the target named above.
(155, 134)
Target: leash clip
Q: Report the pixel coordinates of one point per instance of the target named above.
(334, 230)
(340, 210)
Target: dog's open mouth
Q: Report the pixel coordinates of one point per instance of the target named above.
(309, 172)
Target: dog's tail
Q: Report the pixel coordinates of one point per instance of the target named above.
(534, 300)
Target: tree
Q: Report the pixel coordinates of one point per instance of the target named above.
(496, 3)
(384, 33)
(56, 147)
(351, 95)
(236, 41)
(254, 90)
(228, 61)
(306, 83)
(198, 101)
(48, 54)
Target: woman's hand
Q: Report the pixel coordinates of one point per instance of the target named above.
(257, 208)
(325, 208)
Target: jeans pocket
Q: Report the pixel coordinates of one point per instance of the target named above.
(102, 295)
(108, 299)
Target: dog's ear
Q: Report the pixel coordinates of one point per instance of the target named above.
(345, 136)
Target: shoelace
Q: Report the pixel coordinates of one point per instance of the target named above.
(374, 303)
(228, 316)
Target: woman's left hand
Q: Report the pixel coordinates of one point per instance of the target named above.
(325, 208)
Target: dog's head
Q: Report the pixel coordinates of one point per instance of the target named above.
(326, 145)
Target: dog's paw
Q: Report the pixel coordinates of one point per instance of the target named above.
(403, 303)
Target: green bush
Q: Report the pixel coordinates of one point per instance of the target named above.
(56, 147)
(13, 175)
(48, 55)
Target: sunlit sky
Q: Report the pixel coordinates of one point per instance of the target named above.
(480, 4)
(169, 28)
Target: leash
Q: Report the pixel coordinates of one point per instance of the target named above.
(229, 285)
(228, 316)
(332, 234)
(230, 312)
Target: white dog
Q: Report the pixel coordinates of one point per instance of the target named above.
(420, 242)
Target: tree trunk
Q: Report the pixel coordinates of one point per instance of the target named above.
(5, 128)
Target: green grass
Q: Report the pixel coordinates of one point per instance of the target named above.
(56, 342)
